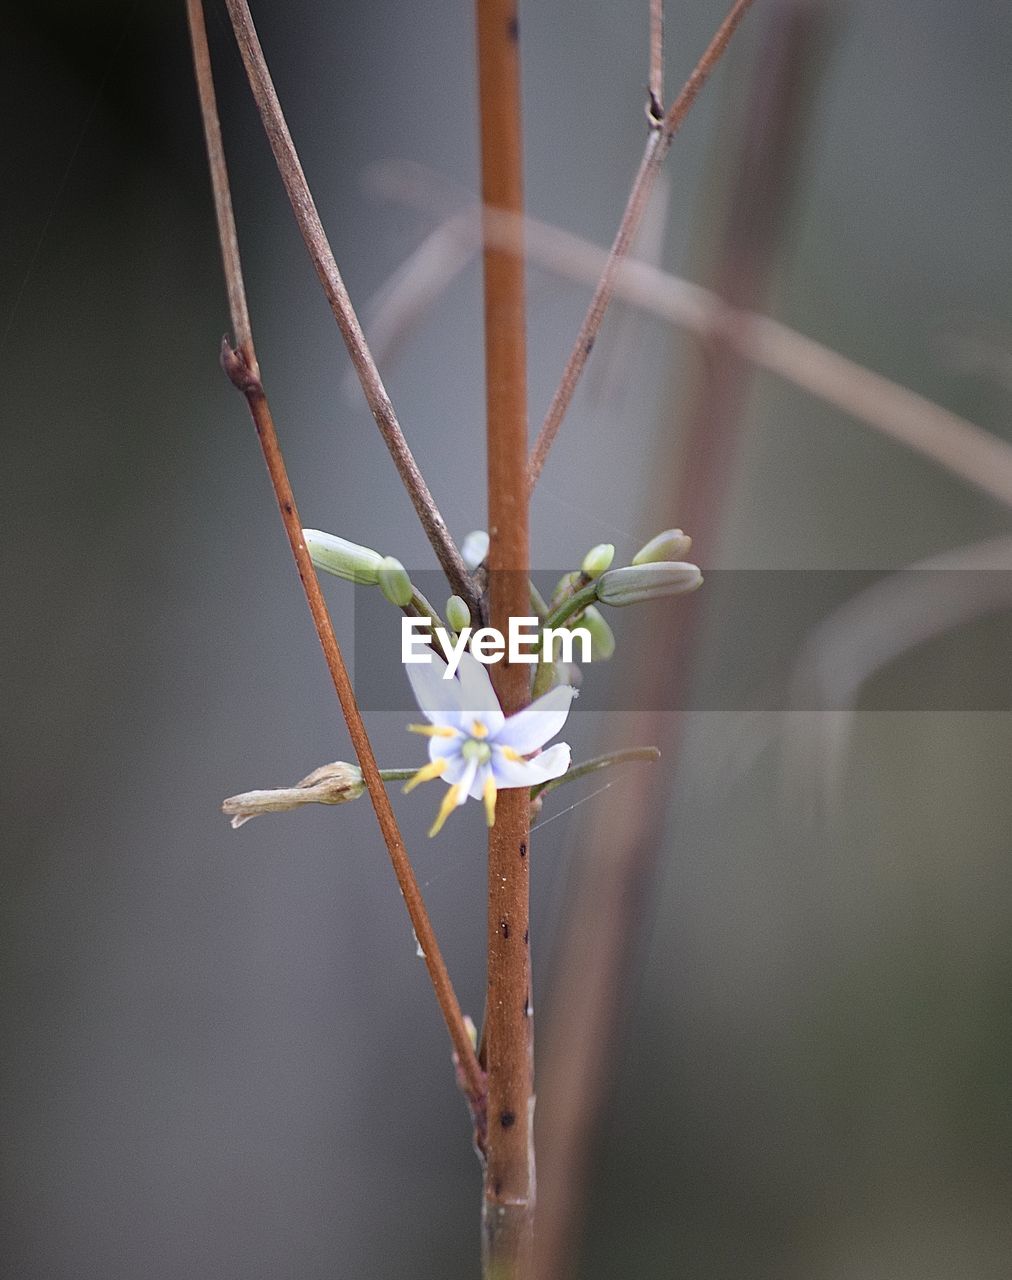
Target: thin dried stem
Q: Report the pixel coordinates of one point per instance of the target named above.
(619, 858)
(658, 143)
(962, 447)
(242, 369)
(508, 1203)
(308, 219)
(227, 238)
(655, 98)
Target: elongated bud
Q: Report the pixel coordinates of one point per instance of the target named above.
(598, 559)
(345, 559)
(394, 582)
(458, 615)
(670, 545)
(602, 638)
(635, 583)
(474, 548)
(330, 784)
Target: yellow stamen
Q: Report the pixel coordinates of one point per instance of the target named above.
(445, 809)
(479, 730)
(434, 730)
(488, 794)
(510, 754)
(426, 773)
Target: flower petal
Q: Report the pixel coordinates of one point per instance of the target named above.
(464, 776)
(438, 699)
(528, 773)
(477, 788)
(532, 727)
(446, 748)
(477, 697)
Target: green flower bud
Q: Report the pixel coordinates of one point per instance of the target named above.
(345, 559)
(474, 548)
(458, 615)
(602, 638)
(634, 583)
(670, 545)
(394, 582)
(598, 559)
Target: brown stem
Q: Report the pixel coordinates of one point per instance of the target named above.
(658, 143)
(963, 448)
(242, 369)
(655, 98)
(619, 857)
(508, 1205)
(308, 219)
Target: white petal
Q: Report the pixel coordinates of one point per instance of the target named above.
(445, 748)
(528, 773)
(438, 699)
(462, 777)
(477, 789)
(532, 727)
(477, 697)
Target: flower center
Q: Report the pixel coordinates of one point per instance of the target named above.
(473, 749)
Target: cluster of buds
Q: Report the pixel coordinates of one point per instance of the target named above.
(657, 569)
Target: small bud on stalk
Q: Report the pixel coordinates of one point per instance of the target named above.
(670, 545)
(598, 559)
(474, 549)
(457, 613)
(602, 638)
(394, 582)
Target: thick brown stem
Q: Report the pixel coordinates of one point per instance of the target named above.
(508, 1204)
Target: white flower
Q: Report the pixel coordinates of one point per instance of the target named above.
(473, 746)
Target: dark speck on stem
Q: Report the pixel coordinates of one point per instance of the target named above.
(513, 28)
(523, 850)
(507, 1119)
(504, 927)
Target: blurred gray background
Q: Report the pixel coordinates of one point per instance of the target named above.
(221, 1057)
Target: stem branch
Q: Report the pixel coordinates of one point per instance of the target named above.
(662, 134)
(243, 371)
(308, 219)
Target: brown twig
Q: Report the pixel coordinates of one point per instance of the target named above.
(242, 369)
(655, 90)
(662, 134)
(960, 446)
(508, 1203)
(619, 858)
(308, 219)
